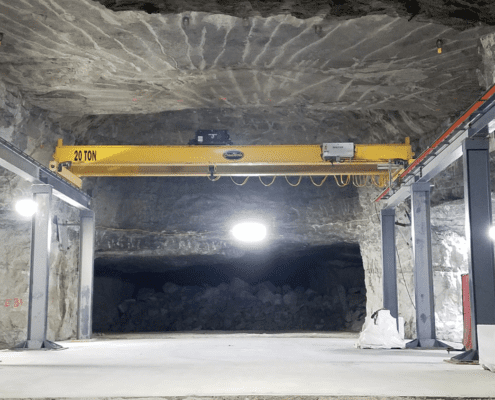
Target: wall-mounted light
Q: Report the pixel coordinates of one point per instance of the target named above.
(439, 46)
(26, 207)
(185, 21)
(249, 232)
(491, 232)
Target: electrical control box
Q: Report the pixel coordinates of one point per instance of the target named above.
(212, 137)
(335, 152)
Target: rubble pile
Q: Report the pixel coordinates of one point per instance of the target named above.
(241, 306)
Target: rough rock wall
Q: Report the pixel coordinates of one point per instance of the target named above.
(108, 293)
(449, 259)
(486, 75)
(449, 263)
(460, 14)
(234, 306)
(28, 129)
(283, 126)
(184, 217)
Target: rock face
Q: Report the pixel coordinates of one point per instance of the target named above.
(108, 294)
(449, 259)
(236, 306)
(194, 217)
(29, 130)
(459, 14)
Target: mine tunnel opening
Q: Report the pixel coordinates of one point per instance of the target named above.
(311, 289)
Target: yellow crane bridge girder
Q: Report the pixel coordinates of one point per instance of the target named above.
(75, 162)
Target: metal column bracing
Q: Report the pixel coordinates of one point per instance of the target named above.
(477, 197)
(39, 273)
(87, 236)
(389, 263)
(423, 271)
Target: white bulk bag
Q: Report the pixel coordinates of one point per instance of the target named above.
(380, 332)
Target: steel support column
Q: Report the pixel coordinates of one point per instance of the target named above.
(389, 262)
(477, 198)
(423, 271)
(39, 272)
(87, 237)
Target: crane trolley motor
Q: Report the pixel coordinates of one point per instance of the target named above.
(211, 137)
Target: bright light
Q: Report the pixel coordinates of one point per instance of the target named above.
(250, 232)
(26, 207)
(492, 232)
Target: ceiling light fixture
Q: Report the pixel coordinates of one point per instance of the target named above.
(26, 207)
(249, 232)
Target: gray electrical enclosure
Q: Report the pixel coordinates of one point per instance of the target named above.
(336, 151)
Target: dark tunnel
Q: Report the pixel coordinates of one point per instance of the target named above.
(315, 289)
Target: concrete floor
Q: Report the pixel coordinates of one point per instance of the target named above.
(216, 364)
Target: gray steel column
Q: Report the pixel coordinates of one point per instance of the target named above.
(423, 270)
(39, 273)
(389, 265)
(477, 197)
(87, 237)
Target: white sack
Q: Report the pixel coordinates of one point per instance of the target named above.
(486, 346)
(380, 333)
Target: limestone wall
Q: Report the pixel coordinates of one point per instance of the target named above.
(28, 129)
(486, 74)
(449, 253)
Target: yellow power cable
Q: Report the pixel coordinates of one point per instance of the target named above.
(359, 181)
(294, 185)
(321, 183)
(269, 184)
(240, 184)
(342, 183)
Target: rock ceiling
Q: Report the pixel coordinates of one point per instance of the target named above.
(91, 57)
(460, 13)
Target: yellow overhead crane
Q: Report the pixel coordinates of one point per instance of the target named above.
(380, 163)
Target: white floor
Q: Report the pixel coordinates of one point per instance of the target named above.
(186, 364)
